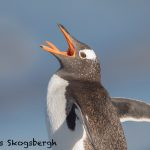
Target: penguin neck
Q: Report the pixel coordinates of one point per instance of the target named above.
(80, 76)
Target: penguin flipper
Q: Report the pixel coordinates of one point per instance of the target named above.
(83, 120)
(132, 110)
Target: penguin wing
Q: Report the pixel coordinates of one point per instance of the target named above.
(132, 110)
(83, 120)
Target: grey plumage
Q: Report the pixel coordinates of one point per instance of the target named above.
(131, 110)
(103, 123)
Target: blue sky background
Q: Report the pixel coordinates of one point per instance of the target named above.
(118, 31)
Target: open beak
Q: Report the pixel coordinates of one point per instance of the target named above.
(49, 47)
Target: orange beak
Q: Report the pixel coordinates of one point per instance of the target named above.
(49, 47)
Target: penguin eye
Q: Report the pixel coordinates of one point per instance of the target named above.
(87, 54)
(82, 54)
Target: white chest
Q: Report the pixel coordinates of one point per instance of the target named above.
(56, 105)
(56, 101)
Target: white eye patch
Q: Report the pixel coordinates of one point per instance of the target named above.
(87, 54)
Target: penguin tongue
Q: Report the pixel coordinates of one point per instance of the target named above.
(53, 49)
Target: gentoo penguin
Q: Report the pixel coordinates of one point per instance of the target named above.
(81, 113)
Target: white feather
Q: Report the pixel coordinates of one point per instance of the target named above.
(135, 119)
(56, 105)
(90, 54)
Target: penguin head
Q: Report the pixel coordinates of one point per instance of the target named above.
(78, 62)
